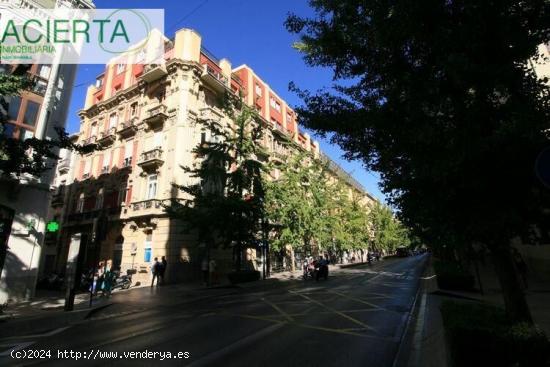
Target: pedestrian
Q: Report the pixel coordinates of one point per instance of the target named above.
(204, 268)
(212, 269)
(162, 270)
(107, 285)
(155, 269)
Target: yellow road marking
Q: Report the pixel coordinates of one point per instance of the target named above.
(278, 309)
(355, 321)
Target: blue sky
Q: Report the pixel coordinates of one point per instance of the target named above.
(245, 32)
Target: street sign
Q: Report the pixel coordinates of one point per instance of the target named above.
(52, 226)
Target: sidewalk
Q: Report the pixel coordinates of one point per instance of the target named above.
(424, 343)
(425, 338)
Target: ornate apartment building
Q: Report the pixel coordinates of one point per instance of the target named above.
(145, 119)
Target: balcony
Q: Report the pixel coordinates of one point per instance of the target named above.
(91, 140)
(210, 113)
(89, 216)
(278, 156)
(152, 72)
(145, 208)
(38, 85)
(127, 164)
(107, 137)
(151, 160)
(156, 116)
(63, 166)
(127, 128)
(215, 79)
(147, 204)
(278, 128)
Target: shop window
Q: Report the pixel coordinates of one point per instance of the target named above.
(148, 251)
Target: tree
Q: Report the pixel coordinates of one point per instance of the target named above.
(388, 233)
(438, 97)
(225, 204)
(297, 203)
(28, 156)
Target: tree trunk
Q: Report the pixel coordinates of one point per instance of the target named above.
(292, 265)
(512, 291)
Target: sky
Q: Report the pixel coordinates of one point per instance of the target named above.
(245, 32)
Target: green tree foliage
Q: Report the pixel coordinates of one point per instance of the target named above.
(438, 97)
(225, 203)
(297, 204)
(30, 156)
(388, 233)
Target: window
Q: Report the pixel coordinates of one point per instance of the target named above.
(106, 162)
(31, 113)
(147, 248)
(44, 71)
(276, 105)
(80, 204)
(8, 130)
(124, 194)
(119, 68)
(113, 120)
(258, 90)
(99, 200)
(151, 187)
(160, 95)
(13, 109)
(87, 167)
(157, 141)
(93, 130)
(99, 82)
(128, 153)
(133, 109)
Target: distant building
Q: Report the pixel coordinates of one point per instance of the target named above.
(145, 118)
(24, 203)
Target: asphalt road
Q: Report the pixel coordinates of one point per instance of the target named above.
(355, 318)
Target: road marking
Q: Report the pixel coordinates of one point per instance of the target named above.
(278, 309)
(209, 359)
(355, 321)
(365, 302)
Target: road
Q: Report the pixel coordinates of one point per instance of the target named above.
(355, 318)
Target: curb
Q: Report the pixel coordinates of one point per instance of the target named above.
(402, 354)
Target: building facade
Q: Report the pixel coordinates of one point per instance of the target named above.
(24, 203)
(145, 119)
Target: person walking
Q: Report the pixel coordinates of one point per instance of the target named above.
(155, 269)
(162, 270)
